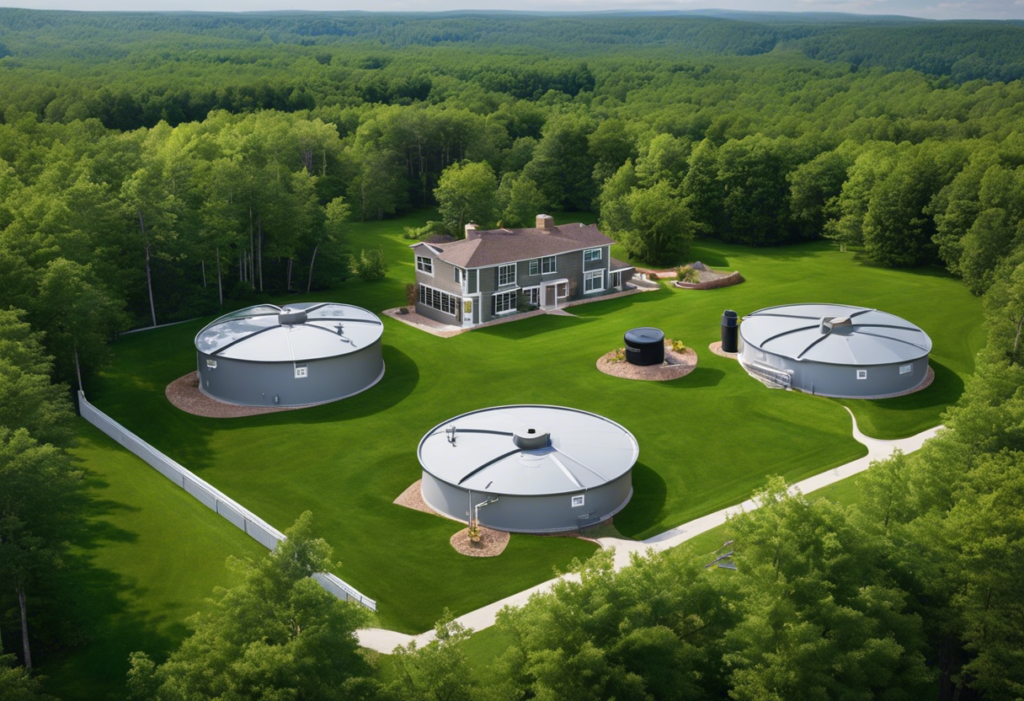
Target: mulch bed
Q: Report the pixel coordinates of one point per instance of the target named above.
(492, 543)
(184, 393)
(676, 365)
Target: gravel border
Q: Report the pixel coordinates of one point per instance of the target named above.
(492, 543)
(716, 348)
(184, 393)
(677, 365)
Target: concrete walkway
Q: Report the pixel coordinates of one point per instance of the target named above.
(386, 640)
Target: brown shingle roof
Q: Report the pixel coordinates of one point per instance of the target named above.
(497, 246)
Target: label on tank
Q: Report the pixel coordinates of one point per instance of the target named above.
(301, 371)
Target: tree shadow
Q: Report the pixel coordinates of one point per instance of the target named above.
(533, 326)
(98, 626)
(649, 495)
(700, 377)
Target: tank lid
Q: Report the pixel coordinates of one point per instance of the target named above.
(528, 450)
(645, 334)
(290, 317)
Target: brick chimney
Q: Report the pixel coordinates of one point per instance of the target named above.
(545, 222)
(471, 232)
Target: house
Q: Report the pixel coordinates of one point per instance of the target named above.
(494, 273)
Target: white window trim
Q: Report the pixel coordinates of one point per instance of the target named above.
(515, 302)
(514, 272)
(534, 268)
(420, 269)
(862, 374)
(458, 304)
(532, 288)
(578, 500)
(590, 275)
(554, 265)
(459, 275)
(906, 369)
(591, 251)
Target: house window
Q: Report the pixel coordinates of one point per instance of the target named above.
(591, 254)
(506, 274)
(425, 265)
(578, 500)
(212, 364)
(532, 295)
(534, 267)
(436, 299)
(906, 369)
(458, 275)
(301, 371)
(862, 374)
(593, 282)
(562, 290)
(616, 280)
(547, 265)
(503, 302)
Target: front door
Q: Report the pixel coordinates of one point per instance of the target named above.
(467, 312)
(550, 298)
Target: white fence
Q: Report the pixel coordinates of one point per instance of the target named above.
(255, 527)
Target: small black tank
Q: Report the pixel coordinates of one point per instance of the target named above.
(730, 331)
(645, 346)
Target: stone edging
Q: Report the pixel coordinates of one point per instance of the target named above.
(733, 278)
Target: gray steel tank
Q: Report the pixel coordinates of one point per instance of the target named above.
(834, 350)
(295, 355)
(528, 468)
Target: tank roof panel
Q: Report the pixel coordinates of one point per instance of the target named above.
(584, 451)
(257, 333)
(821, 333)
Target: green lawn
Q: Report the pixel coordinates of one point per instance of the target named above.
(706, 441)
(151, 557)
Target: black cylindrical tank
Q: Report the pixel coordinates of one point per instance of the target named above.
(730, 331)
(645, 346)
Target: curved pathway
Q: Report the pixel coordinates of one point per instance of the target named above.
(387, 640)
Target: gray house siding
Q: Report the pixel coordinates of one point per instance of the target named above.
(482, 283)
(443, 279)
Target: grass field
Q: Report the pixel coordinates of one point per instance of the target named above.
(151, 557)
(706, 441)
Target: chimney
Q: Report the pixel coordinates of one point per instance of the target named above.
(471, 232)
(545, 222)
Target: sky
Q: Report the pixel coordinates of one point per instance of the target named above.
(931, 9)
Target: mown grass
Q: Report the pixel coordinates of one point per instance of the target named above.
(150, 558)
(706, 441)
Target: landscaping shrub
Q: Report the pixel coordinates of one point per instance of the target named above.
(370, 265)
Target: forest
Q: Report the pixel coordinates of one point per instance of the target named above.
(161, 167)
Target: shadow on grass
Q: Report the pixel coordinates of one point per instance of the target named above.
(610, 306)
(649, 495)
(527, 328)
(97, 629)
(700, 377)
(401, 376)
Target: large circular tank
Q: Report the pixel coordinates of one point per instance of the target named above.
(835, 350)
(295, 355)
(645, 346)
(528, 468)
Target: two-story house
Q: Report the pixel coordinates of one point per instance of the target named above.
(493, 273)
